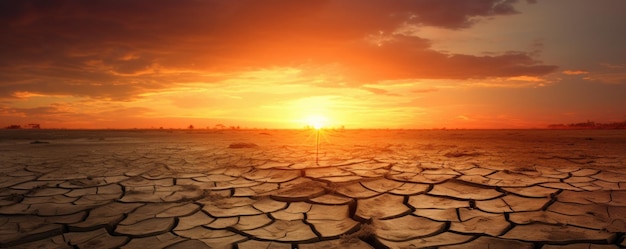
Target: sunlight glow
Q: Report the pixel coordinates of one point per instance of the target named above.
(317, 122)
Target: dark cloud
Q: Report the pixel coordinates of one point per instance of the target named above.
(117, 49)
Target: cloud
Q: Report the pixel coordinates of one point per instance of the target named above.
(378, 91)
(66, 115)
(608, 77)
(575, 72)
(119, 49)
(604, 73)
(425, 90)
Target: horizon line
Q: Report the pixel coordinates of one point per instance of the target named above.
(303, 129)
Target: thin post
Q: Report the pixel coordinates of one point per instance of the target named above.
(317, 146)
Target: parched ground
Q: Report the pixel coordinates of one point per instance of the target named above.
(267, 189)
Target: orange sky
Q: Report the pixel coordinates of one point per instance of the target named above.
(277, 63)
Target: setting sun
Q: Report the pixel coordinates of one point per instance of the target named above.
(317, 122)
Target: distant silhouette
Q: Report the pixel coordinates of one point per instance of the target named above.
(28, 126)
(589, 125)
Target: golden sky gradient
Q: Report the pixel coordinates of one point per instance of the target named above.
(278, 63)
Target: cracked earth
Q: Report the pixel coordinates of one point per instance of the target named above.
(267, 189)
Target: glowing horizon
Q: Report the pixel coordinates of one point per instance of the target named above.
(359, 64)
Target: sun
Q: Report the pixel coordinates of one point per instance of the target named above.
(316, 121)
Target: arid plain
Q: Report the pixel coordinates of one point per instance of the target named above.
(276, 189)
